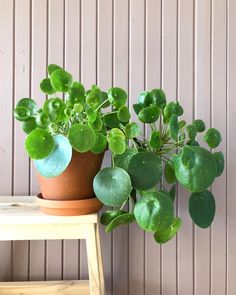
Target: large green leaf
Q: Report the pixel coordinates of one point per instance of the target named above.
(117, 144)
(202, 208)
(29, 125)
(212, 137)
(174, 127)
(145, 99)
(123, 114)
(55, 163)
(61, 80)
(109, 215)
(39, 144)
(159, 98)
(154, 211)
(145, 170)
(195, 168)
(192, 131)
(163, 236)
(121, 219)
(28, 103)
(117, 97)
(46, 86)
(112, 186)
(132, 130)
(82, 137)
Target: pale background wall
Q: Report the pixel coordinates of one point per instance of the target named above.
(187, 47)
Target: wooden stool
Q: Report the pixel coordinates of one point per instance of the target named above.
(21, 219)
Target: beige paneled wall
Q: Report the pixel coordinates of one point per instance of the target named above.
(187, 47)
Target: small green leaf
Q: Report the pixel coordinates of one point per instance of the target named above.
(42, 120)
(61, 80)
(21, 113)
(104, 97)
(117, 97)
(55, 109)
(192, 142)
(202, 208)
(28, 103)
(122, 160)
(52, 68)
(121, 219)
(182, 124)
(112, 186)
(173, 108)
(76, 93)
(82, 137)
(212, 137)
(29, 125)
(174, 127)
(93, 99)
(111, 120)
(159, 98)
(39, 144)
(117, 144)
(46, 86)
(123, 114)
(172, 192)
(200, 125)
(220, 162)
(78, 108)
(163, 236)
(132, 130)
(170, 172)
(154, 211)
(149, 114)
(109, 215)
(145, 99)
(155, 140)
(91, 114)
(192, 131)
(100, 144)
(145, 170)
(97, 124)
(137, 108)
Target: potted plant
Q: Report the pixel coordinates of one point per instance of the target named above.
(67, 139)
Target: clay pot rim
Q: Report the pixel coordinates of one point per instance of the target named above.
(67, 204)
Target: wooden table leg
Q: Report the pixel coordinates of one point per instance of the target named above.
(95, 267)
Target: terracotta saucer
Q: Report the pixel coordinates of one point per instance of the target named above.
(69, 208)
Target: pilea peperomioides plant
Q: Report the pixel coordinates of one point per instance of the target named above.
(143, 166)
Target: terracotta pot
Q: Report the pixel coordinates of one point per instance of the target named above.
(76, 182)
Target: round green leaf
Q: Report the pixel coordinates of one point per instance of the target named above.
(104, 97)
(149, 114)
(113, 132)
(111, 120)
(192, 142)
(202, 208)
(145, 170)
(123, 114)
(97, 124)
(55, 109)
(170, 172)
(173, 108)
(122, 160)
(100, 144)
(29, 125)
(39, 144)
(82, 137)
(46, 86)
(155, 140)
(182, 124)
(121, 219)
(78, 108)
(21, 113)
(163, 236)
(112, 186)
(200, 125)
(158, 98)
(154, 211)
(174, 127)
(145, 99)
(117, 97)
(56, 162)
(61, 80)
(52, 68)
(42, 120)
(192, 131)
(76, 93)
(91, 114)
(28, 103)
(220, 162)
(109, 215)
(172, 192)
(132, 130)
(195, 168)
(93, 99)
(117, 144)
(212, 137)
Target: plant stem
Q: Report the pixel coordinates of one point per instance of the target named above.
(105, 101)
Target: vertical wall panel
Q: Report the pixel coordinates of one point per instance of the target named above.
(185, 97)
(6, 95)
(38, 72)
(152, 80)
(21, 160)
(187, 47)
(203, 111)
(120, 75)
